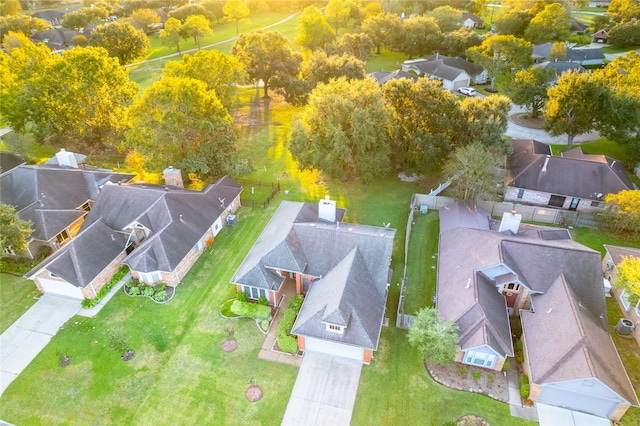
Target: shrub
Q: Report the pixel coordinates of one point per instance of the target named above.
(264, 324)
(253, 310)
(506, 365)
(148, 291)
(89, 303)
(491, 377)
(286, 342)
(476, 375)
(263, 301)
(134, 291)
(463, 371)
(524, 386)
(225, 309)
(242, 296)
(160, 296)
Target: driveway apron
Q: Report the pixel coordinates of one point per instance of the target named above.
(26, 337)
(324, 392)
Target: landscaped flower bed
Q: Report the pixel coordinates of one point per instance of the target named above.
(240, 307)
(160, 293)
(90, 303)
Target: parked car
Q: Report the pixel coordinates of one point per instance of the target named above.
(469, 91)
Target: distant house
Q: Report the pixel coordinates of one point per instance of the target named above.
(490, 273)
(159, 232)
(575, 181)
(541, 52)
(342, 268)
(599, 3)
(382, 77)
(56, 39)
(453, 72)
(600, 36)
(586, 57)
(470, 20)
(559, 68)
(55, 196)
(612, 258)
(52, 17)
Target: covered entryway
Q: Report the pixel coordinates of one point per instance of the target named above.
(333, 348)
(61, 288)
(577, 401)
(548, 415)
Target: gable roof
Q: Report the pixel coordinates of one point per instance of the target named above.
(617, 253)
(176, 218)
(55, 36)
(472, 69)
(580, 346)
(542, 51)
(560, 67)
(530, 167)
(349, 264)
(9, 161)
(382, 77)
(469, 297)
(49, 195)
(474, 18)
(588, 54)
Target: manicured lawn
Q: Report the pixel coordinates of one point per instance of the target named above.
(387, 60)
(17, 295)
(595, 239)
(612, 49)
(422, 262)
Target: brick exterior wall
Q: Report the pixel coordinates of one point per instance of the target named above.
(534, 391)
(537, 198)
(301, 343)
(619, 412)
(367, 356)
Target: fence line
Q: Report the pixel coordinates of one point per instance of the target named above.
(275, 188)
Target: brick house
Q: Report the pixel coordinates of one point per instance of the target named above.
(491, 273)
(574, 181)
(341, 268)
(159, 232)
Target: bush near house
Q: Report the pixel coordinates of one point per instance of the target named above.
(253, 310)
(524, 386)
(115, 279)
(22, 265)
(286, 342)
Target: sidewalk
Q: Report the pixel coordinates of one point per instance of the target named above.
(515, 402)
(267, 350)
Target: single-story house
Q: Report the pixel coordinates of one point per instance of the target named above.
(158, 231)
(614, 255)
(55, 196)
(600, 36)
(490, 273)
(382, 77)
(55, 38)
(559, 68)
(453, 72)
(541, 52)
(586, 56)
(52, 17)
(341, 268)
(470, 20)
(575, 181)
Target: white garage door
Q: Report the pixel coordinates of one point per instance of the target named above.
(332, 348)
(602, 407)
(60, 288)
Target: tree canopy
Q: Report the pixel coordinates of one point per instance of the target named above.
(498, 54)
(358, 45)
(337, 12)
(529, 88)
(485, 121)
(144, 19)
(236, 11)
(448, 18)
(22, 24)
(421, 36)
(623, 212)
(179, 122)
(553, 23)
(382, 29)
(197, 26)
(172, 33)
(435, 338)
(628, 274)
(14, 232)
(121, 40)
(82, 17)
(344, 131)
(473, 170)
(314, 31)
(266, 54)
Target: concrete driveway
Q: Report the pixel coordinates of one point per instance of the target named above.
(21, 342)
(324, 392)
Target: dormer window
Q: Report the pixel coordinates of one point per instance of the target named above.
(86, 206)
(334, 328)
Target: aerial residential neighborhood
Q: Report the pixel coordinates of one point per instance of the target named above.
(319, 212)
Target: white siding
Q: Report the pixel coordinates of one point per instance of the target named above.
(61, 288)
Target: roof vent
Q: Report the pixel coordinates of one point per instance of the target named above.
(544, 166)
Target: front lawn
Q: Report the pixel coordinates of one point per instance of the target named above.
(17, 295)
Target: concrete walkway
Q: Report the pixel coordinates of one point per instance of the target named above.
(324, 392)
(515, 402)
(267, 351)
(29, 335)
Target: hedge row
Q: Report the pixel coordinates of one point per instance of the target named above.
(287, 342)
(115, 279)
(253, 310)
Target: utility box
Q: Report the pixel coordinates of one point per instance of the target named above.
(231, 220)
(424, 209)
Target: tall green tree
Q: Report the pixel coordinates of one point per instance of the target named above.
(456, 43)
(186, 10)
(265, 55)
(499, 54)
(428, 122)
(529, 88)
(474, 173)
(179, 122)
(219, 71)
(83, 17)
(514, 23)
(321, 68)
(623, 212)
(337, 12)
(344, 131)
(628, 274)
(14, 232)
(172, 33)
(422, 36)
(313, 31)
(553, 23)
(144, 19)
(448, 18)
(358, 45)
(197, 26)
(10, 7)
(121, 40)
(485, 121)
(624, 10)
(381, 28)
(434, 337)
(236, 11)
(625, 34)
(24, 24)
(215, 9)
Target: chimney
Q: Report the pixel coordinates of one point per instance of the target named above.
(327, 209)
(66, 159)
(510, 222)
(172, 177)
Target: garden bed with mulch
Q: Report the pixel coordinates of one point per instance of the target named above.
(523, 119)
(456, 376)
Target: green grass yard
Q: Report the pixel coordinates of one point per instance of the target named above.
(17, 295)
(422, 262)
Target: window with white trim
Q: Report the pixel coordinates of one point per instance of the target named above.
(150, 277)
(9, 251)
(255, 293)
(481, 359)
(626, 298)
(198, 246)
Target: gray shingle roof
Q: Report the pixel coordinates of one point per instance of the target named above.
(49, 195)
(439, 69)
(560, 67)
(566, 341)
(589, 54)
(350, 264)
(575, 174)
(472, 69)
(177, 220)
(382, 77)
(9, 161)
(618, 252)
